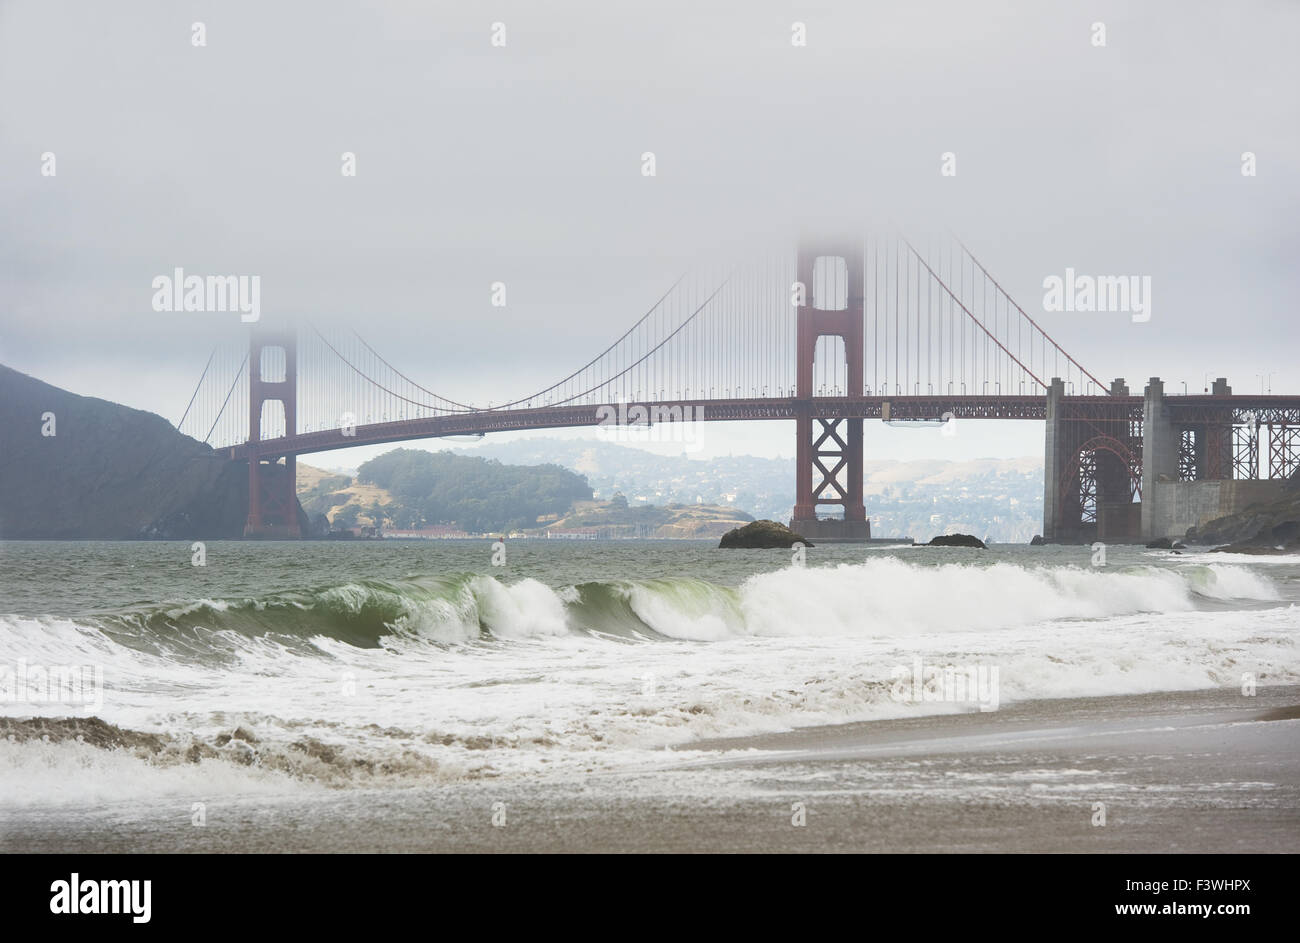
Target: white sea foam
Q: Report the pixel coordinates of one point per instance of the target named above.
(796, 647)
(519, 610)
(37, 774)
(889, 597)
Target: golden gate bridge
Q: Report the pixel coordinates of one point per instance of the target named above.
(828, 335)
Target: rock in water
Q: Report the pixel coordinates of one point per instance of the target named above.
(957, 540)
(1161, 543)
(1038, 541)
(762, 535)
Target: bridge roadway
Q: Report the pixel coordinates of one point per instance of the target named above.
(1264, 408)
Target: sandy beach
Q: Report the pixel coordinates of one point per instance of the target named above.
(1204, 771)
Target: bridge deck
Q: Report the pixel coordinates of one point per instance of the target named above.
(1081, 408)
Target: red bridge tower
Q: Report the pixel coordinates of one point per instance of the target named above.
(828, 450)
(272, 486)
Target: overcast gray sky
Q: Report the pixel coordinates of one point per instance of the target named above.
(521, 164)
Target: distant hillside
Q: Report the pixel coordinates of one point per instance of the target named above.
(675, 521)
(993, 497)
(762, 487)
(340, 499)
(348, 504)
(475, 494)
(107, 471)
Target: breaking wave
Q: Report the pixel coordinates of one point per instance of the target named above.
(880, 598)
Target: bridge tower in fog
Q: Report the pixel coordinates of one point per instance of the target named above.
(828, 449)
(272, 479)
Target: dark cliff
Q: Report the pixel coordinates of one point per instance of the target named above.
(108, 471)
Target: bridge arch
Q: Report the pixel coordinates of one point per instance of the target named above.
(1082, 473)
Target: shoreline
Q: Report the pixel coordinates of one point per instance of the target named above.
(1192, 771)
(966, 731)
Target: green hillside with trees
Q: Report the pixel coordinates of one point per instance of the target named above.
(476, 494)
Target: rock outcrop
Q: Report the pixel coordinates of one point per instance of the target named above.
(1165, 543)
(108, 471)
(1248, 525)
(1281, 538)
(957, 540)
(762, 535)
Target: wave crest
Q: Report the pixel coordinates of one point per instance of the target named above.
(881, 597)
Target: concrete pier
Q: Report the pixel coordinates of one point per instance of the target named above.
(1052, 463)
(1160, 441)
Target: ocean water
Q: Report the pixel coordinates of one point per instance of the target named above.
(297, 667)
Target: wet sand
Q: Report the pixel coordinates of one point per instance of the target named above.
(1206, 771)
